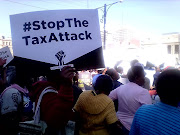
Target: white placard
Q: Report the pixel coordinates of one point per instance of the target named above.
(6, 54)
(41, 35)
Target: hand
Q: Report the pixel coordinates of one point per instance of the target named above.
(2, 62)
(67, 73)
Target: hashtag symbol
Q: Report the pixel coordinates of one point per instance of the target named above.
(27, 26)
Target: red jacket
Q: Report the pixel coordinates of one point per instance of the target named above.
(55, 109)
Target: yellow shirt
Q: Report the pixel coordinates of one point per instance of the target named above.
(96, 113)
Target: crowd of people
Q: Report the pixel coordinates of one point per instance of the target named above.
(100, 106)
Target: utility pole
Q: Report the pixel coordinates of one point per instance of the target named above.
(105, 10)
(104, 26)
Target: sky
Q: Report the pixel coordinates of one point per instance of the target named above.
(152, 16)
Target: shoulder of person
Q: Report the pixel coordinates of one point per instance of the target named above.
(11, 91)
(145, 107)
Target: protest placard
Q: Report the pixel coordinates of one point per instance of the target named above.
(6, 54)
(58, 36)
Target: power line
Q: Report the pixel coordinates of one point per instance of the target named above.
(25, 4)
(78, 2)
(66, 4)
(50, 2)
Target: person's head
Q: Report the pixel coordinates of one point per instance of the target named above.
(133, 62)
(23, 78)
(54, 76)
(113, 74)
(136, 74)
(119, 70)
(103, 84)
(168, 87)
(157, 69)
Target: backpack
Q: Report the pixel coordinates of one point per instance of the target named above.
(35, 126)
(26, 105)
(15, 106)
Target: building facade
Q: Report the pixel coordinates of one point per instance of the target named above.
(6, 42)
(172, 41)
(168, 43)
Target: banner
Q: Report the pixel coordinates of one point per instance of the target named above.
(6, 54)
(65, 36)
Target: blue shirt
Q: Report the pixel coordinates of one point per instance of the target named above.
(156, 119)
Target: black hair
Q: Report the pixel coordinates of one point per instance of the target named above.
(134, 72)
(23, 78)
(133, 62)
(168, 87)
(119, 69)
(104, 84)
(112, 73)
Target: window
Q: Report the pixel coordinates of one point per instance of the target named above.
(176, 49)
(169, 49)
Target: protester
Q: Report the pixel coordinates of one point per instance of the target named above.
(85, 76)
(56, 108)
(146, 85)
(162, 118)
(76, 90)
(93, 73)
(155, 76)
(115, 76)
(15, 104)
(130, 97)
(119, 69)
(10, 75)
(2, 74)
(95, 110)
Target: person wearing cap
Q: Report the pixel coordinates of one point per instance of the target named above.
(95, 110)
(130, 97)
(162, 118)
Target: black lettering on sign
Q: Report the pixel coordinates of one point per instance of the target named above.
(81, 34)
(67, 38)
(77, 23)
(60, 24)
(53, 37)
(73, 36)
(51, 25)
(43, 24)
(36, 24)
(61, 36)
(69, 21)
(43, 39)
(26, 39)
(35, 40)
(3, 52)
(88, 35)
(5, 57)
(85, 23)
